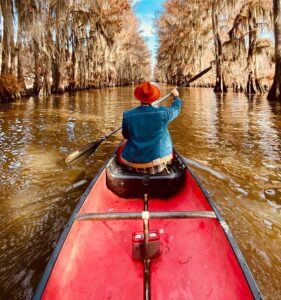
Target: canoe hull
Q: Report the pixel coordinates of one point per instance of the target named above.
(199, 257)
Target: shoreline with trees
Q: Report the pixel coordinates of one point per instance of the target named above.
(237, 35)
(56, 46)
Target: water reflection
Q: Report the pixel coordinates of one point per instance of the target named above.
(231, 141)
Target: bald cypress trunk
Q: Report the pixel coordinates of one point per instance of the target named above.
(275, 91)
(8, 31)
(60, 56)
(219, 85)
(19, 57)
(253, 86)
(37, 84)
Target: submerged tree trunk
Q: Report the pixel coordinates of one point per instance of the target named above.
(46, 85)
(275, 91)
(220, 85)
(37, 84)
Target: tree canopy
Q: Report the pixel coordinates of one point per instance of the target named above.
(237, 35)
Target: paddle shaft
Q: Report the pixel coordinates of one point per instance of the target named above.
(111, 133)
(184, 84)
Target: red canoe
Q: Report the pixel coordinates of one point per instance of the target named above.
(135, 236)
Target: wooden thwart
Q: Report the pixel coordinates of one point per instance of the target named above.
(150, 215)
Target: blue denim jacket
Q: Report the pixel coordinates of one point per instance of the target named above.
(146, 129)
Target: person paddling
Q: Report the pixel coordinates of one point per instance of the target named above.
(148, 148)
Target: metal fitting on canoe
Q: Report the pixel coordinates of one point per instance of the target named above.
(145, 215)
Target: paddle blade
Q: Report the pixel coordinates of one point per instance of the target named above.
(81, 154)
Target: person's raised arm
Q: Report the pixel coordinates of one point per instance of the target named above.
(174, 110)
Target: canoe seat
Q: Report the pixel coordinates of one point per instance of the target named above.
(128, 184)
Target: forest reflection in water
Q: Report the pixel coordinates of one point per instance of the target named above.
(232, 142)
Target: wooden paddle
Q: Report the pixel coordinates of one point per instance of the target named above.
(84, 152)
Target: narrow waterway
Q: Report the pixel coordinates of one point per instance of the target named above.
(232, 142)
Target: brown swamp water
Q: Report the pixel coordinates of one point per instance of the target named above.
(232, 142)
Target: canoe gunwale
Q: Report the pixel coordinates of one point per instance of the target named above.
(241, 260)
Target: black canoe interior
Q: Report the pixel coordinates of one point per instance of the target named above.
(129, 184)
